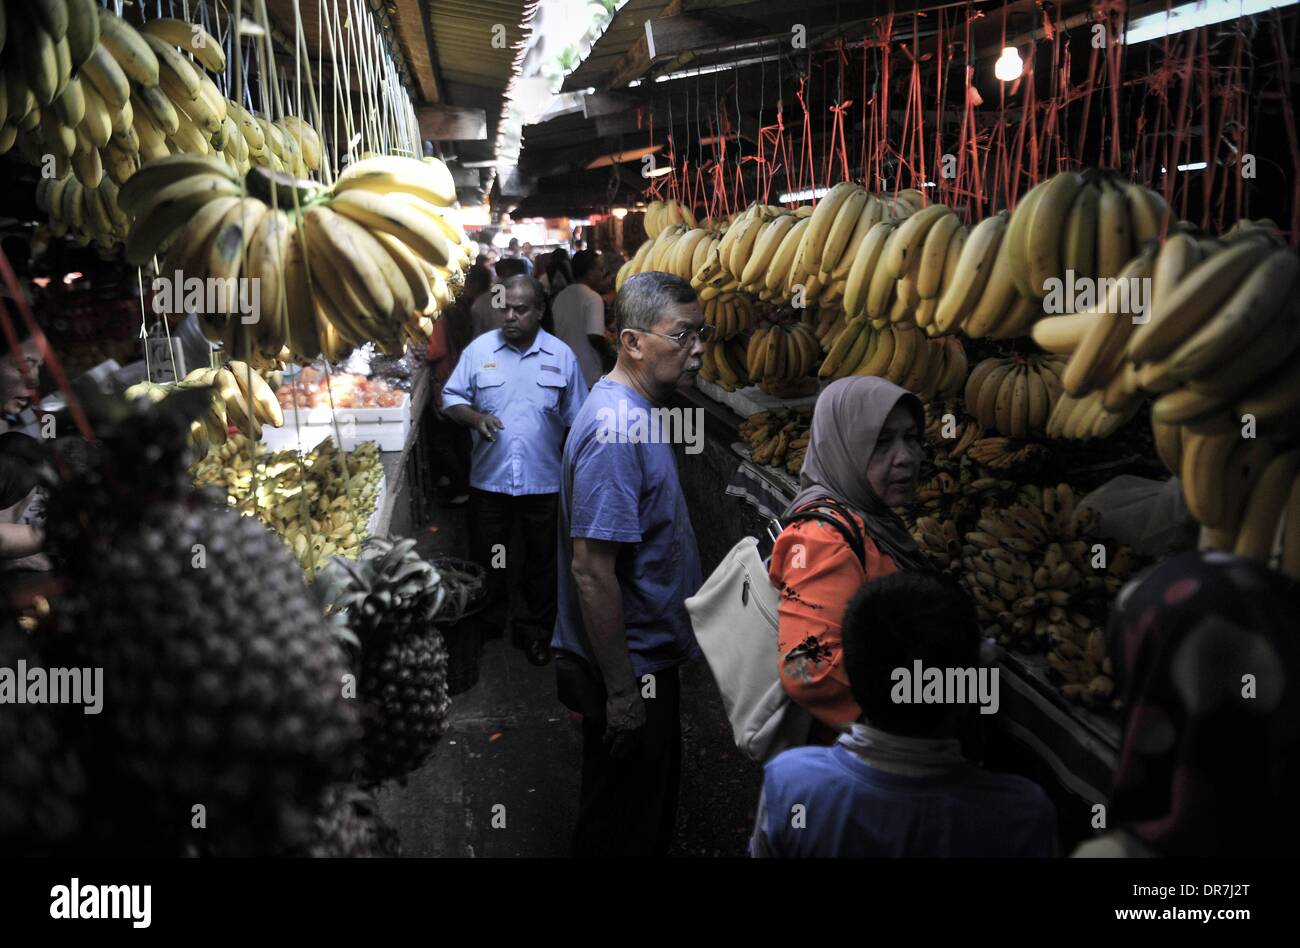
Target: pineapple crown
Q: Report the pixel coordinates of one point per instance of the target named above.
(388, 588)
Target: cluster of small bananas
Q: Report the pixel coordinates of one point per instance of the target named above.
(1005, 454)
(950, 442)
(931, 368)
(778, 438)
(320, 511)
(240, 397)
(1015, 395)
(1030, 568)
(370, 259)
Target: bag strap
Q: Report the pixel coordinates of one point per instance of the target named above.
(849, 531)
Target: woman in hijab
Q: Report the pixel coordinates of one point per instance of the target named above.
(1208, 662)
(864, 454)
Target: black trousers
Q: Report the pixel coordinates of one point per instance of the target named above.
(626, 808)
(451, 451)
(492, 518)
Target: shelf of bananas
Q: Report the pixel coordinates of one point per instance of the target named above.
(372, 258)
(778, 438)
(240, 397)
(318, 510)
(1016, 395)
(724, 364)
(930, 368)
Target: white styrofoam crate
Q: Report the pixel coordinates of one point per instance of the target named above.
(388, 427)
(751, 399)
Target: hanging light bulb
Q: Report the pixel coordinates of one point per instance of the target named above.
(1009, 65)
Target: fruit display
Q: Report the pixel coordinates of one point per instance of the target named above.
(1040, 584)
(1015, 396)
(207, 705)
(778, 438)
(368, 259)
(320, 503)
(315, 389)
(389, 599)
(239, 397)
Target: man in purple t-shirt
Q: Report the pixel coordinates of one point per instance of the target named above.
(627, 563)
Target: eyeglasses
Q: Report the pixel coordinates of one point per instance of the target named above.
(684, 338)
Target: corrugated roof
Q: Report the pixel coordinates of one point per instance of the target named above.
(462, 39)
(627, 26)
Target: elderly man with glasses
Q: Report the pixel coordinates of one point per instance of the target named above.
(627, 563)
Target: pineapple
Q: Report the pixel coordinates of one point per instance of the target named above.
(348, 826)
(224, 688)
(389, 599)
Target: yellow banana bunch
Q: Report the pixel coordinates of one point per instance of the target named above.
(1015, 396)
(725, 363)
(731, 314)
(372, 259)
(662, 214)
(779, 353)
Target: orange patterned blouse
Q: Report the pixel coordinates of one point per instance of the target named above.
(816, 573)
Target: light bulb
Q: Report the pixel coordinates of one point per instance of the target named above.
(619, 212)
(1009, 65)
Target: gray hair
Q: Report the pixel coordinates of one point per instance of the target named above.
(645, 296)
(524, 280)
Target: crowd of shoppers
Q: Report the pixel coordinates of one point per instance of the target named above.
(611, 559)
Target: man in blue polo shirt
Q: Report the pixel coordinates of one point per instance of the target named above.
(518, 388)
(628, 561)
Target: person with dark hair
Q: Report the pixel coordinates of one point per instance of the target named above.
(452, 332)
(488, 309)
(864, 455)
(513, 252)
(897, 783)
(628, 562)
(580, 316)
(559, 271)
(1207, 664)
(518, 389)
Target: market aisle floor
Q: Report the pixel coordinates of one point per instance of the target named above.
(511, 744)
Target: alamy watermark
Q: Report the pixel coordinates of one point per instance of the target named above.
(633, 424)
(35, 685)
(134, 902)
(921, 685)
(213, 296)
(1128, 296)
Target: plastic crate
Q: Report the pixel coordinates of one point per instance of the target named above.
(388, 427)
